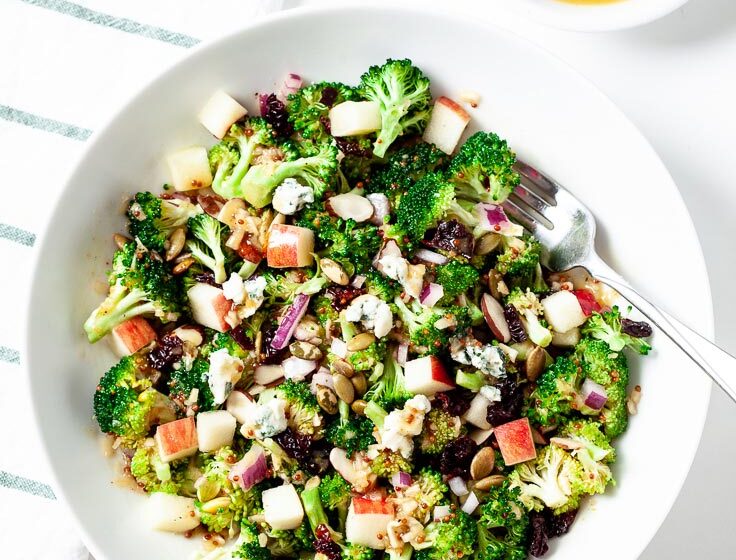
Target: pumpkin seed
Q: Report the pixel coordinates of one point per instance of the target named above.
(342, 367)
(334, 272)
(487, 243)
(207, 490)
(175, 243)
(535, 362)
(359, 383)
(344, 388)
(489, 482)
(182, 266)
(482, 464)
(120, 240)
(358, 407)
(361, 341)
(327, 399)
(305, 350)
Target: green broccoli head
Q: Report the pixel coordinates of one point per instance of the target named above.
(283, 543)
(503, 527)
(607, 327)
(421, 323)
(454, 536)
(352, 551)
(251, 551)
(530, 311)
(153, 475)
(140, 284)
(310, 106)
(207, 247)
(431, 491)
(334, 491)
(403, 168)
(316, 168)
(124, 402)
(388, 463)
(439, 429)
(153, 219)
(367, 359)
(351, 434)
(303, 410)
(424, 205)
(483, 170)
(402, 93)
(382, 286)
(519, 263)
(456, 278)
(556, 393)
(231, 159)
(594, 456)
(388, 392)
(192, 377)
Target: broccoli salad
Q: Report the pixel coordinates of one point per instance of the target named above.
(334, 344)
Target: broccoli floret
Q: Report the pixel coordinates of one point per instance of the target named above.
(282, 464)
(317, 169)
(556, 393)
(367, 359)
(530, 311)
(402, 93)
(420, 322)
(352, 551)
(608, 368)
(152, 474)
(225, 341)
(289, 544)
(313, 508)
(456, 278)
(388, 392)
(351, 434)
(282, 288)
(124, 402)
(519, 263)
(405, 167)
(387, 463)
(382, 286)
(503, 527)
(248, 546)
(207, 248)
(231, 158)
(324, 309)
(334, 491)
(431, 491)
(483, 170)
(594, 457)
(606, 326)
(140, 284)
(309, 108)
(303, 410)
(454, 536)
(439, 429)
(152, 219)
(553, 481)
(187, 378)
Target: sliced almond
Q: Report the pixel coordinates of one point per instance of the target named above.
(334, 272)
(350, 206)
(566, 443)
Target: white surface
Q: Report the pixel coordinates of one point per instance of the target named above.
(547, 128)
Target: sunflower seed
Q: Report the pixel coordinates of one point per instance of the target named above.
(487, 243)
(342, 367)
(182, 266)
(327, 399)
(218, 503)
(489, 482)
(359, 383)
(359, 407)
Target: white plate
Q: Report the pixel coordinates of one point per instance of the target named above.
(594, 17)
(553, 117)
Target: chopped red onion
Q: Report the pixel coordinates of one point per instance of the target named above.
(298, 368)
(291, 84)
(290, 321)
(594, 394)
(401, 480)
(402, 353)
(381, 207)
(458, 486)
(440, 512)
(358, 281)
(339, 348)
(431, 294)
(251, 469)
(471, 503)
(493, 218)
(263, 103)
(430, 256)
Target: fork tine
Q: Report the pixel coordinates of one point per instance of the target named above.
(525, 202)
(521, 216)
(537, 182)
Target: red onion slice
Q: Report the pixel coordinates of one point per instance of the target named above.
(594, 394)
(290, 321)
(471, 503)
(430, 256)
(458, 486)
(291, 84)
(401, 480)
(251, 469)
(431, 294)
(493, 218)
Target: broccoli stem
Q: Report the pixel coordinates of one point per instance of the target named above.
(116, 309)
(471, 381)
(313, 505)
(376, 414)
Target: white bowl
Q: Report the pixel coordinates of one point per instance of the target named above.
(621, 14)
(555, 119)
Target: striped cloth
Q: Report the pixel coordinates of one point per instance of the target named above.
(65, 67)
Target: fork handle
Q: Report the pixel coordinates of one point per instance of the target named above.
(714, 361)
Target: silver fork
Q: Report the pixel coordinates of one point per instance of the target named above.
(566, 229)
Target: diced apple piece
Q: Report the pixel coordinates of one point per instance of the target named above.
(209, 306)
(367, 521)
(220, 112)
(190, 169)
(132, 335)
(168, 512)
(478, 412)
(352, 118)
(567, 339)
(587, 302)
(282, 507)
(446, 124)
(493, 312)
(215, 429)
(240, 405)
(515, 441)
(177, 439)
(562, 311)
(427, 376)
(289, 246)
(479, 436)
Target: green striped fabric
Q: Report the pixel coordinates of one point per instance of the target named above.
(8, 355)
(27, 485)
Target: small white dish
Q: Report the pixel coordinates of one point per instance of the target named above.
(583, 15)
(555, 119)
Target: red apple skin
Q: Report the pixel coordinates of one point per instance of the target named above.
(587, 302)
(417, 380)
(365, 505)
(454, 107)
(282, 250)
(439, 373)
(176, 437)
(134, 334)
(515, 441)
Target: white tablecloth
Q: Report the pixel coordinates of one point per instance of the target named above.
(66, 66)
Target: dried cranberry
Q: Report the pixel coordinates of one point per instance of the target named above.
(277, 116)
(510, 405)
(352, 148)
(538, 546)
(456, 457)
(324, 544)
(325, 122)
(341, 296)
(168, 351)
(207, 278)
(329, 96)
(455, 402)
(269, 355)
(307, 452)
(238, 334)
(518, 334)
(558, 525)
(637, 329)
(451, 236)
